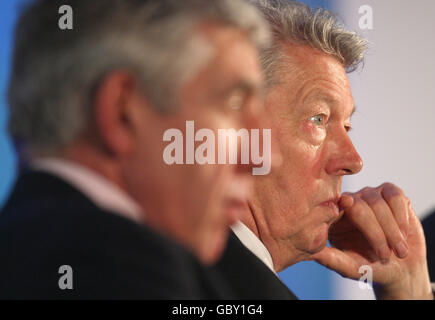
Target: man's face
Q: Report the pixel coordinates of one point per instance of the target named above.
(196, 203)
(310, 112)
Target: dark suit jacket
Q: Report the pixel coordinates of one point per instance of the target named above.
(248, 276)
(429, 231)
(46, 223)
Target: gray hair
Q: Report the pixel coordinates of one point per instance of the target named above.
(56, 72)
(297, 23)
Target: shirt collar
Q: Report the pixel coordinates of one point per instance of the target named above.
(97, 188)
(251, 241)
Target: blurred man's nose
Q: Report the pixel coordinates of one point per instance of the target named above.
(259, 118)
(256, 118)
(343, 159)
(255, 114)
(251, 119)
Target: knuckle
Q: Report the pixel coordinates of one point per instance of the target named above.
(395, 238)
(394, 196)
(391, 188)
(373, 199)
(365, 190)
(387, 185)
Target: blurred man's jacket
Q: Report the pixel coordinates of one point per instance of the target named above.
(48, 223)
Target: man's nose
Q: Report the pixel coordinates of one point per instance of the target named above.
(344, 159)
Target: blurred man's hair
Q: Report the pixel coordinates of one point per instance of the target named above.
(296, 23)
(55, 72)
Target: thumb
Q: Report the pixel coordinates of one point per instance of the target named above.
(337, 261)
(346, 201)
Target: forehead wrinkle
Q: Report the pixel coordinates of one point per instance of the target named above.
(320, 94)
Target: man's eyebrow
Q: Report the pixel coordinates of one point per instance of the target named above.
(322, 96)
(247, 87)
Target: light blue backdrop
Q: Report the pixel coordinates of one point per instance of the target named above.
(8, 11)
(307, 279)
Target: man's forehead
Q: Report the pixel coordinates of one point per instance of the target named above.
(308, 71)
(325, 92)
(234, 61)
(305, 62)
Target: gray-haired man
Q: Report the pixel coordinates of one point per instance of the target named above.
(298, 207)
(90, 107)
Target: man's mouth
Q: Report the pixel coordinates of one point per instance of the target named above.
(236, 199)
(333, 207)
(235, 208)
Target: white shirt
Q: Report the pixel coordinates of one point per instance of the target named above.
(97, 188)
(251, 241)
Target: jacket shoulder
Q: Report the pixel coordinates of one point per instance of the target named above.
(248, 276)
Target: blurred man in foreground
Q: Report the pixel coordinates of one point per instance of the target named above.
(298, 207)
(90, 107)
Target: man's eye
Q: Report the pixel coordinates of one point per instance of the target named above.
(237, 99)
(318, 119)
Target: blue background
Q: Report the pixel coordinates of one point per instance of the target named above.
(308, 280)
(8, 13)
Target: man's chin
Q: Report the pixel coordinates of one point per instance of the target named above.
(320, 239)
(213, 253)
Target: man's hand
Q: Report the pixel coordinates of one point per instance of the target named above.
(379, 228)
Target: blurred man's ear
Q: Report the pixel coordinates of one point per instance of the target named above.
(114, 104)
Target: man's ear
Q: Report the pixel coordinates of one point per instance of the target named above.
(114, 102)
